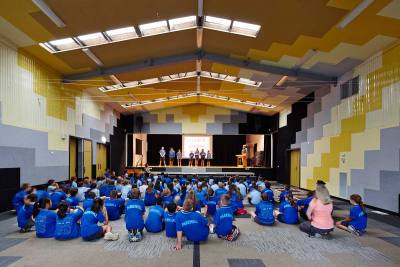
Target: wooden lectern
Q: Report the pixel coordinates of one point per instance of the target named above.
(239, 161)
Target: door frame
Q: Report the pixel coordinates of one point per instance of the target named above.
(289, 151)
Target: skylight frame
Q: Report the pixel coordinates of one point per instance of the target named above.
(217, 23)
(245, 28)
(154, 28)
(182, 23)
(122, 34)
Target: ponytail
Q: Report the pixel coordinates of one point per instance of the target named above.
(358, 200)
(39, 205)
(97, 205)
(62, 210)
(290, 199)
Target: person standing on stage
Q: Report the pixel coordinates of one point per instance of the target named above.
(191, 156)
(179, 158)
(162, 156)
(171, 156)
(202, 156)
(196, 157)
(244, 156)
(208, 158)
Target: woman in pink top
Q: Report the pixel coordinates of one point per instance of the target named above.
(319, 213)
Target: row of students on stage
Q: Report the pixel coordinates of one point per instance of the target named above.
(195, 158)
(174, 206)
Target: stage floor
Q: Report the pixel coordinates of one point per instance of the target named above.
(211, 170)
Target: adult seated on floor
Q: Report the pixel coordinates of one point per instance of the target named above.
(191, 223)
(319, 213)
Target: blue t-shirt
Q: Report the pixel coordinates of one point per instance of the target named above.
(201, 197)
(289, 213)
(358, 218)
(305, 202)
(154, 221)
(223, 220)
(220, 191)
(87, 203)
(212, 205)
(283, 195)
(167, 199)
(89, 226)
(265, 212)
(68, 227)
(134, 210)
(170, 224)
(150, 198)
(72, 201)
(113, 207)
(235, 202)
(182, 197)
(172, 154)
(270, 194)
(106, 189)
(193, 225)
(24, 214)
(45, 223)
(40, 194)
(18, 200)
(56, 198)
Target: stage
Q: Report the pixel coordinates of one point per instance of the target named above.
(221, 171)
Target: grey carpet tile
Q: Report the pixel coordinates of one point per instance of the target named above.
(394, 240)
(7, 260)
(6, 243)
(246, 262)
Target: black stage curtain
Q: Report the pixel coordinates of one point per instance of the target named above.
(156, 141)
(225, 149)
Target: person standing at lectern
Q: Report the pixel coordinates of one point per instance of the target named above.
(202, 156)
(191, 156)
(179, 158)
(196, 157)
(244, 156)
(171, 155)
(162, 156)
(208, 158)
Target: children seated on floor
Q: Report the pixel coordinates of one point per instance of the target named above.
(72, 200)
(24, 215)
(223, 221)
(211, 203)
(170, 220)
(288, 211)
(90, 228)
(134, 211)
(356, 223)
(67, 226)
(45, 219)
(303, 203)
(264, 213)
(87, 203)
(150, 196)
(155, 218)
(18, 200)
(114, 206)
(285, 192)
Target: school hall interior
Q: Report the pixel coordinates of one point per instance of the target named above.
(220, 113)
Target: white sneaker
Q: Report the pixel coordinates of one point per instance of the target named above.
(111, 237)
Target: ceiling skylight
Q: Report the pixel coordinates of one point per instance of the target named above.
(182, 23)
(218, 24)
(64, 44)
(245, 28)
(122, 34)
(154, 28)
(194, 94)
(183, 75)
(92, 39)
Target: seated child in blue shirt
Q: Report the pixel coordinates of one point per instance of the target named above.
(167, 197)
(285, 192)
(150, 196)
(264, 214)
(56, 197)
(24, 216)
(288, 211)
(87, 203)
(170, 220)
(223, 221)
(155, 219)
(211, 203)
(18, 199)
(303, 203)
(45, 219)
(356, 223)
(72, 200)
(90, 230)
(134, 211)
(114, 206)
(67, 226)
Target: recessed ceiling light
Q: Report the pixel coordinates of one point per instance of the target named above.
(154, 28)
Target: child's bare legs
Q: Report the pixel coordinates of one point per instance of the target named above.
(343, 227)
(252, 214)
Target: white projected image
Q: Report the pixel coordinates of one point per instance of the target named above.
(192, 142)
